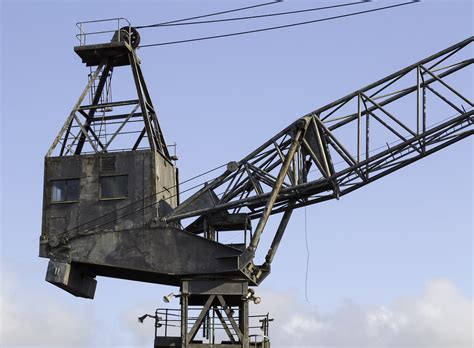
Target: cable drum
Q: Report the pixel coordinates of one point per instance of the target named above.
(127, 34)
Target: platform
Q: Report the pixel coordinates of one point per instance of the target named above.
(116, 52)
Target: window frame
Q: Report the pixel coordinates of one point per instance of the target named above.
(101, 198)
(66, 201)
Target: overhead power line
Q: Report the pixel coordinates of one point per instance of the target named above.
(208, 15)
(279, 26)
(359, 2)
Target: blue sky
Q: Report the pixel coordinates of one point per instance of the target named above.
(218, 100)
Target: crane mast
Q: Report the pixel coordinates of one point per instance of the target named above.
(123, 217)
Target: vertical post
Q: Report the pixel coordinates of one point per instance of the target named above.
(211, 233)
(367, 138)
(244, 322)
(267, 324)
(424, 109)
(245, 235)
(424, 116)
(118, 30)
(358, 126)
(166, 322)
(418, 104)
(80, 34)
(156, 322)
(204, 326)
(184, 319)
(213, 325)
(294, 163)
(208, 325)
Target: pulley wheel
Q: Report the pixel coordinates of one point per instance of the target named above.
(128, 34)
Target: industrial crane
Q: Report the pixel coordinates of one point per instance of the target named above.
(112, 200)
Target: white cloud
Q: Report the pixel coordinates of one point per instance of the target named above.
(33, 319)
(440, 317)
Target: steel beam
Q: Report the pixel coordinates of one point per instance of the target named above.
(276, 189)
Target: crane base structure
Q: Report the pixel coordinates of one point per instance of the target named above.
(218, 308)
(112, 204)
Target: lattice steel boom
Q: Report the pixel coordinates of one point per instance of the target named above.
(279, 176)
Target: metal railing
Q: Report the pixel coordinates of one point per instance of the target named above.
(116, 25)
(260, 341)
(168, 324)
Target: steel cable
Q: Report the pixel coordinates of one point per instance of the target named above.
(359, 2)
(278, 27)
(207, 15)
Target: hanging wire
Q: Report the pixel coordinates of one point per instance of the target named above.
(279, 26)
(307, 256)
(207, 15)
(359, 2)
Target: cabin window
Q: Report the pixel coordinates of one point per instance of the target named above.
(113, 187)
(65, 190)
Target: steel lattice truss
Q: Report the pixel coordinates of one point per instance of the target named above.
(103, 126)
(331, 151)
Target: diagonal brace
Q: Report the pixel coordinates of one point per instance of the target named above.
(200, 318)
(295, 144)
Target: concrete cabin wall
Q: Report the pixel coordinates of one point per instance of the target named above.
(151, 179)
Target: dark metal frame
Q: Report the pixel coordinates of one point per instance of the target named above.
(275, 177)
(306, 163)
(83, 116)
(216, 296)
(213, 322)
